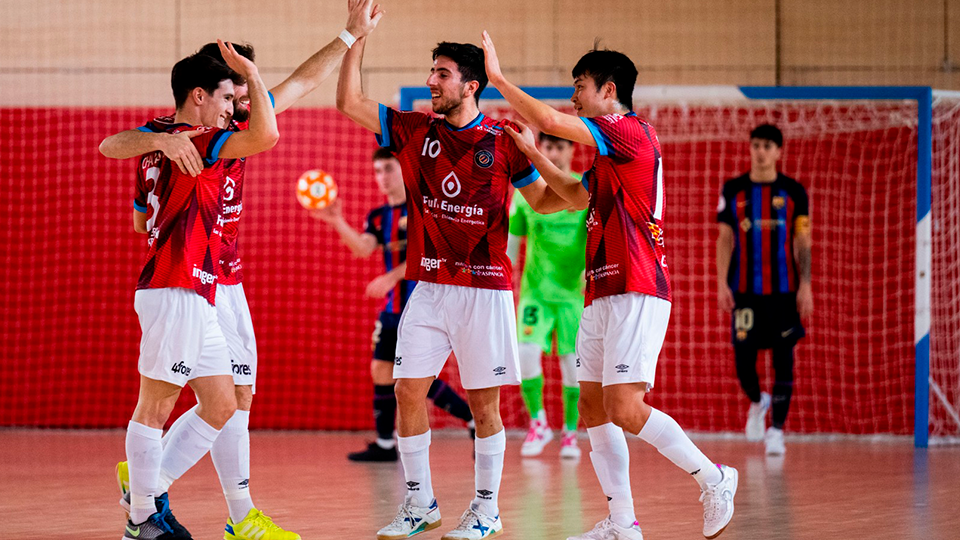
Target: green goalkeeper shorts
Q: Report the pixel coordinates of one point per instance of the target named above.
(538, 320)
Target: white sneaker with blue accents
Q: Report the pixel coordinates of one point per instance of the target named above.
(411, 520)
(475, 525)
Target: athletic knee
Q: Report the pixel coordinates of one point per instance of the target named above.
(592, 413)
(409, 393)
(244, 396)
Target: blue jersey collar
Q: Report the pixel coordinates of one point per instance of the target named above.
(475, 122)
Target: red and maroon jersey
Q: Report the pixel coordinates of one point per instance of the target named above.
(458, 183)
(185, 234)
(625, 250)
(230, 267)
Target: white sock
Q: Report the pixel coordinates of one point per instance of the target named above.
(185, 447)
(665, 434)
(611, 461)
(178, 425)
(386, 444)
(415, 457)
(144, 452)
(231, 457)
(489, 471)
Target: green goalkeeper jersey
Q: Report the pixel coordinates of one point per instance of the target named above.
(556, 251)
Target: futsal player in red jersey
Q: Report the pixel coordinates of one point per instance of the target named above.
(628, 285)
(230, 452)
(387, 229)
(175, 301)
(457, 170)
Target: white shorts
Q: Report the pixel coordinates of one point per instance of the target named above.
(478, 325)
(237, 326)
(620, 339)
(181, 336)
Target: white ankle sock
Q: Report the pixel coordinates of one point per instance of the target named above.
(665, 434)
(144, 452)
(231, 457)
(611, 461)
(489, 471)
(185, 447)
(415, 457)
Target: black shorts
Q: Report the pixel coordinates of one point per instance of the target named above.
(766, 321)
(385, 336)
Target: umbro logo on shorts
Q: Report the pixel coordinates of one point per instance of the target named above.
(398, 360)
(412, 486)
(180, 368)
(622, 368)
(578, 361)
(485, 494)
(245, 484)
(499, 370)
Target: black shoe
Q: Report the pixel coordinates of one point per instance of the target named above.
(179, 532)
(374, 452)
(154, 528)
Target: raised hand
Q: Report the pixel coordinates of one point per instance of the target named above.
(525, 140)
(236, 61)
(331, 213)
(363, 17)
(490, 60)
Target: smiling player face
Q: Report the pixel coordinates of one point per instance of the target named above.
(446, 86)
(216, 110)
(241, 103)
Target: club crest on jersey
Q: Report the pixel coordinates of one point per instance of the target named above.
(656, 233)
(483, 159)
(779, 202)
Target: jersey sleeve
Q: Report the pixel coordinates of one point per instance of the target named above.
(619, 137)
(210, 143)
(140, 191)
(373, 227)
(522, 171)
(518, 215)
(801, 209)
(396, 127)
(725, 207)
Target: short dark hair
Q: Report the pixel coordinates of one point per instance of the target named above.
(199, 71)
(546, 137)
(469, 60)
(768, 132)
(605, 66)
(383, 153)
(212, 49)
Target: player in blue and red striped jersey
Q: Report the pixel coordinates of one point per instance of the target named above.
(763, 269)
(458, 170)
(175, 301)
(386, 228)
(628, 285)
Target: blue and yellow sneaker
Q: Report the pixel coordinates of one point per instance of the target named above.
(154, 528)
(256, 526)
(176, 530)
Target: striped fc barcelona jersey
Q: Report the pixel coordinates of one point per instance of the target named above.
(389, 225)
(764, 218)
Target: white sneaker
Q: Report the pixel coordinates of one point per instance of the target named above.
(608, 530)
(475, 525)
(718, 502)
(569, 448)
(756, 418)
(537, 437)
(774, 442)
(411, 520)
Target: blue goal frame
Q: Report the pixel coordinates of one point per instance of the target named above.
(923, 95)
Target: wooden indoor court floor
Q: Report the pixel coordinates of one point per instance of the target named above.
(60, 484)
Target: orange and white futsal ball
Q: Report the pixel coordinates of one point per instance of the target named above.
(316, 189)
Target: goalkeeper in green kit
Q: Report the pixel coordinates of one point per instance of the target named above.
(551, 301)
